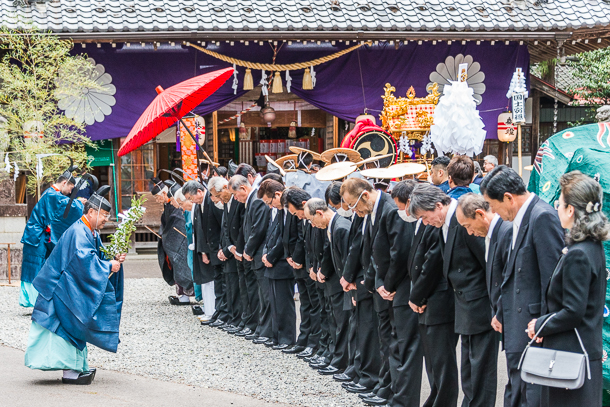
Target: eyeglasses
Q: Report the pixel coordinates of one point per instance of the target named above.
(558, 204)
(357, 200)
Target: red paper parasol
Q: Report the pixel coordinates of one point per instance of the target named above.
(171, 105)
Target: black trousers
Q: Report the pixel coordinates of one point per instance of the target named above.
(406, 366)
(368, 343)
(518, 393)
(244, 307)
(283, 311)
(222, 312)
(479, 369)
(232, 292)
(354, 359)
(339, 331)
(264, 328)
(439, 343)
(251, 318)
(309, 329)
(383, 388)
(324, 348)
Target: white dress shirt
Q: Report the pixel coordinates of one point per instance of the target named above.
(374, 213)
(248, 198)
(417, 225)
(490, 232)
(330, 225)
(519, 218)
(452, 207)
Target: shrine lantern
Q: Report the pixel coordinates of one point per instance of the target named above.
(507, 131)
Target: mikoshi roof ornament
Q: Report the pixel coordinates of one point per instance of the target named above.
(336, 171)
(458, 128)
(335, 155)
(170, 106)
(409, 118)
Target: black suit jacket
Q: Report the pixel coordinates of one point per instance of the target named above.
(256, 221)
(381, 252)
(232, 223)
(391, 252)
(464, 268)
(497, 257)
(275, 251)
(429, 286)
(528, 272)
(576, 294)
(299, 255)
(292, 239)
(339, 249)
(208, 227)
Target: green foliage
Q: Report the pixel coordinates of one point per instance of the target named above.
(592, 74)
(120, 240)
(32, 64)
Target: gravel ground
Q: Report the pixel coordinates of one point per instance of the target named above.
(167, 342)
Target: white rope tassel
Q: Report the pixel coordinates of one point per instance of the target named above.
(288, 81)
(264, 83)
(235, 81)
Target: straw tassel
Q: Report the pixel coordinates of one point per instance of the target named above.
(248, 81)
(307, 83)
(277, 83)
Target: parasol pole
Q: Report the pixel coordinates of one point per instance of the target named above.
(519, 149)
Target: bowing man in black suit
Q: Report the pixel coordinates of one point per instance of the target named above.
(207, 267)
(279, 272)
(337, 233)
(536, 245)
(425, 293)
(232, 219)
(391, 249)
(308, 340)
(256, 222)
(577, 290)
(464, 268)
(475, 214)
(375, 205)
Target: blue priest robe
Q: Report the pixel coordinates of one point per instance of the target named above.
(77, 300)
(45, 226)
(189, 238)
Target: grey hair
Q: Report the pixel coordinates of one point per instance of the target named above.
(470, 202)
(477, 168)
(491, 159)
(316, 204)
(238, 181)
(217, 183)
(580, 191)
(425, 197)
(191, 188)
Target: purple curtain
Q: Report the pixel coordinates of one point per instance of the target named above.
(339, 90)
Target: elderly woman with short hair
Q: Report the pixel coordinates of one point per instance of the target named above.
(577, 289)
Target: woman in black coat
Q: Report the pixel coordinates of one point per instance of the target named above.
(577, 290)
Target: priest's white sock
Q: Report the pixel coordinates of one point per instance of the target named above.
(71, 374)
(185, 298)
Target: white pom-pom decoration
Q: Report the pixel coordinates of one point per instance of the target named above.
(457, 128)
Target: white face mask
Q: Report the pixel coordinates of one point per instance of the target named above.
(344, 213)
(219, 205)
(407, 218)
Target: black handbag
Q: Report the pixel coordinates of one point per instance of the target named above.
(554, 368)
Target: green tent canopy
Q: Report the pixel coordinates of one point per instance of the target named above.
(586, 149)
